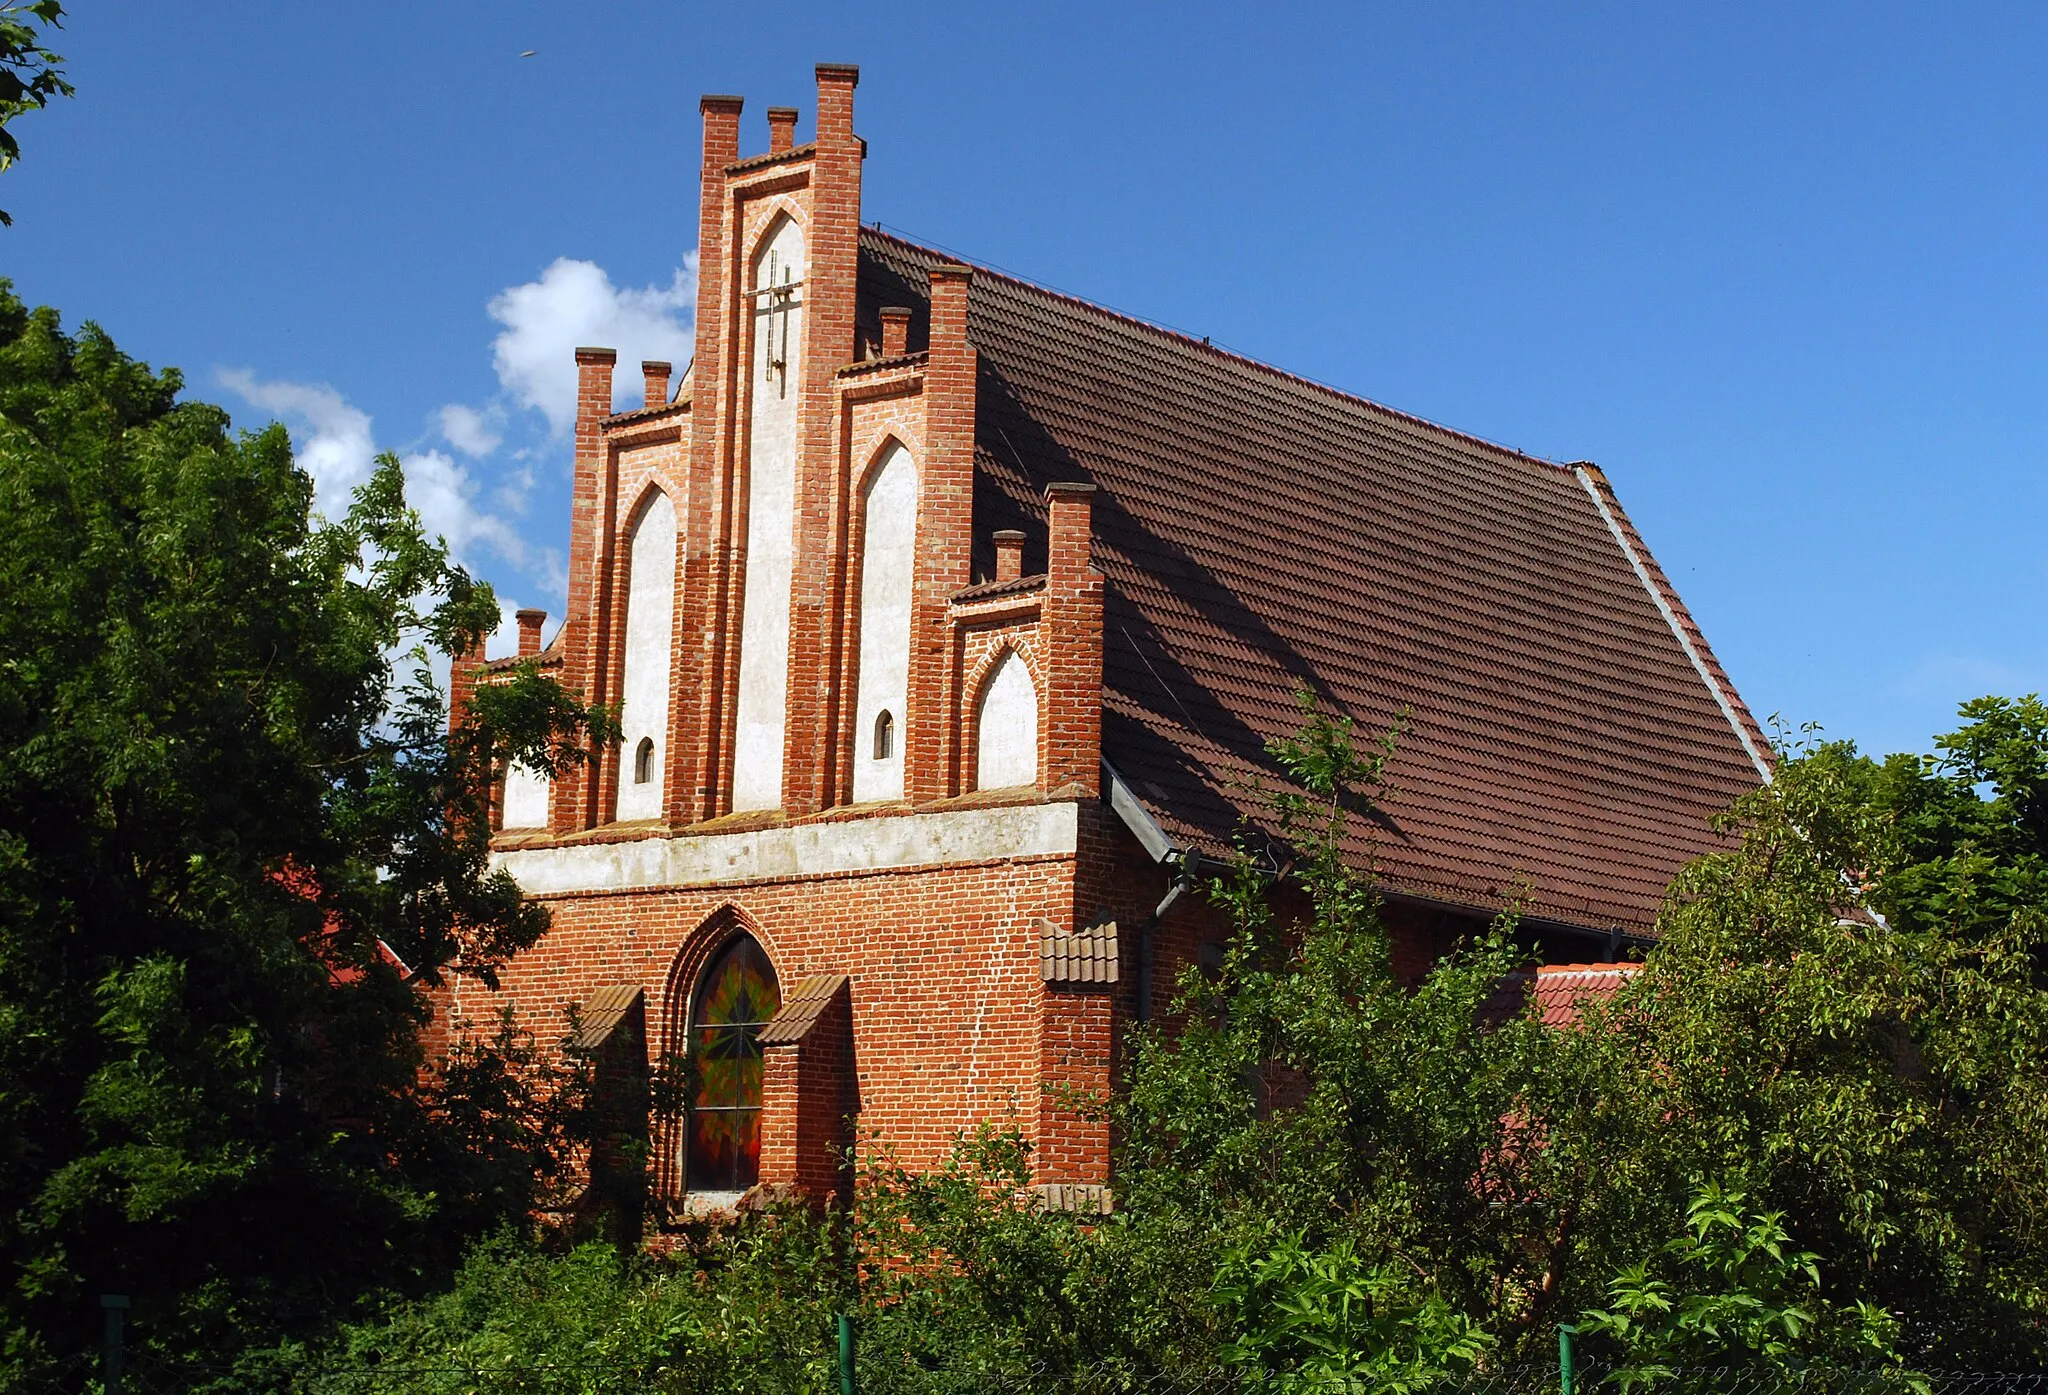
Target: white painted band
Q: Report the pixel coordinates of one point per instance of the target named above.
(882, 843)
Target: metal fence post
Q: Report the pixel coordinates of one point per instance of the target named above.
(846, 1381)
(115, 1304)
(1566, 1384)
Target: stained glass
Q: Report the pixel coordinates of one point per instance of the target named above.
(735, 999)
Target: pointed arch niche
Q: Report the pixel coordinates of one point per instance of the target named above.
(776, 328)
(888, 552)
(717, 1148)
(1006, 727)
(644, 687)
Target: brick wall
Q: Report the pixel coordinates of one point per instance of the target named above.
(943, 963)
(809, 1100)
(947, 1022)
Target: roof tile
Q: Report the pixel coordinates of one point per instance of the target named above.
(1261, 532)
(801, 1008)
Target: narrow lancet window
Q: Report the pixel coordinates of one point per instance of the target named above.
(735, 999)
(1007, 741)
(776, 297)
(650, 610)
(885, 736)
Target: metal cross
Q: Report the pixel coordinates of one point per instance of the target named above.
(781, 299)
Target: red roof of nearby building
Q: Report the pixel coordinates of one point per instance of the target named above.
(1568, 729)
(1561, 990)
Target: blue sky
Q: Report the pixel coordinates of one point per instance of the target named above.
(1778, 268)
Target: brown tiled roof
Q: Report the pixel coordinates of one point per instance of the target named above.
(801, 1008)
(880, 365)
(990, 590)
(1560, 991)
(550, 657)
(1567, 726)
(773, 157)
(635, 414)
(602, 1014)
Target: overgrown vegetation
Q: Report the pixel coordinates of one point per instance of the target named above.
(1805, 1135)
(234, 839)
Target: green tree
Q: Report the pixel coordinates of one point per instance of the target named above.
(235, 841)
(1846, 1020)
(1328, 1176)
(1312, 1118)
(1732, 1292)
(29, 75)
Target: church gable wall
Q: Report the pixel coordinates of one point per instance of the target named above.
(785, 654)
(804, 506)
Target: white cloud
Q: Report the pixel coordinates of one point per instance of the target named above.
(572, 304)
(445, 496)
(472, 490)
(472, 432)
(334, 444)
(330, 438)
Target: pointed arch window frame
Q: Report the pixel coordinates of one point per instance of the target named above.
(722, 1138)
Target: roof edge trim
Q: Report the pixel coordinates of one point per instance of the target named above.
(1128, 807)
(1656, 593)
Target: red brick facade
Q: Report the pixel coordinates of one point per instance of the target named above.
(945, 1018)
(958, 955)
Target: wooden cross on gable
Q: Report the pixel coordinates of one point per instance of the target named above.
(774, 301)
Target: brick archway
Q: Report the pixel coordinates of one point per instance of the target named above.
(697, 951)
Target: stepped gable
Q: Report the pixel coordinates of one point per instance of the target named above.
(1568, 730)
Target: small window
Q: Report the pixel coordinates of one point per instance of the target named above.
(643, 761)
(885, 735)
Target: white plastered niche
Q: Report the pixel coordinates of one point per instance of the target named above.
(887, 556)
(644, 691)
(1006, 728)
(526, 798)
(776, 366)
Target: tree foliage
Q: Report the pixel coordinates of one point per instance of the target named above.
(1847, 1021)
(29, 75)
(234, 839)
(1738, 1296)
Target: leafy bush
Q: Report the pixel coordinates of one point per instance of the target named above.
(1326, 1175)
(1731, 1293)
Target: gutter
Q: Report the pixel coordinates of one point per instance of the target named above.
(1183, 861)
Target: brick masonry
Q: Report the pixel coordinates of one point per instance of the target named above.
(945, 1020)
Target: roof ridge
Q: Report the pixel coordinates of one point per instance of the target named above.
(1227, 355)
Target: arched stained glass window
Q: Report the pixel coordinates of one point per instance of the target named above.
(735, 999)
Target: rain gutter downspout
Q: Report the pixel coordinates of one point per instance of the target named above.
(1181, 860)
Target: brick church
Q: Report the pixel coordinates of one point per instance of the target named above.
(946, 617)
